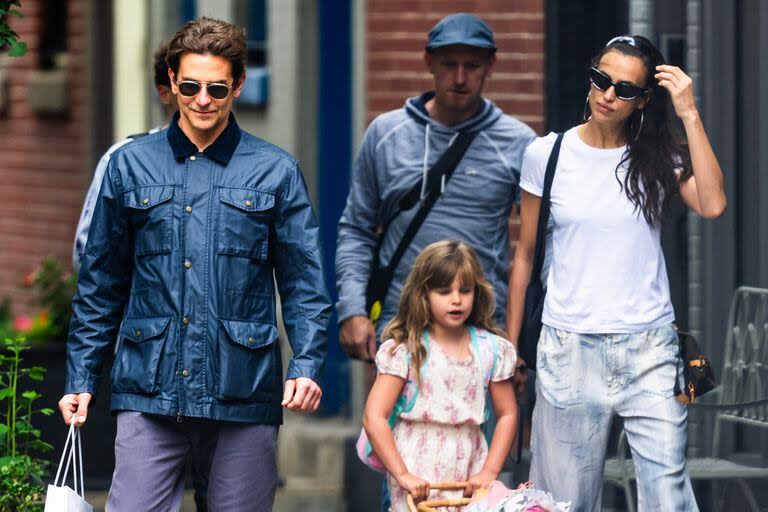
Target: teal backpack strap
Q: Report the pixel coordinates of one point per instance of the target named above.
(402, 404)
(482, 364)
(405, 403)
(408, 404)
(495, 342)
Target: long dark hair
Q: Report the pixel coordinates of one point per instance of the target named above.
(654, 146)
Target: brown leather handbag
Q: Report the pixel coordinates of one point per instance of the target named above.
(698, 374)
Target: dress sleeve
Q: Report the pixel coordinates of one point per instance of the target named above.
(506, 358)
(392, 359)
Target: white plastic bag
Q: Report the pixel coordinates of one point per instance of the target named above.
(60, 497)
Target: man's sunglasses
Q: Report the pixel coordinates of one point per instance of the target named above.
(216, 90)
(624, 91)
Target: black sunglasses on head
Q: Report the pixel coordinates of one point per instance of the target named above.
(216, 90)
(624, 91)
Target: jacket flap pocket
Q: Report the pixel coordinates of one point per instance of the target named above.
(250, 334)
(140, 329)
(143, 198)
(247, 200)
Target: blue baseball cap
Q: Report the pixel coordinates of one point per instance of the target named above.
(461, 28)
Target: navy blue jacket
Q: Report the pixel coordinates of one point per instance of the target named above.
(178, 270)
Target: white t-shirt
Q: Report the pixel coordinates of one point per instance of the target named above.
(608, 273)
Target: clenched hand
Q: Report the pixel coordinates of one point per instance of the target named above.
(301, 395)
(358, 338)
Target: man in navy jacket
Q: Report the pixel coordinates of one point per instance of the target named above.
(192, 228)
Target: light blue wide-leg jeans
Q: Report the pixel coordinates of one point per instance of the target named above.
(582, 380)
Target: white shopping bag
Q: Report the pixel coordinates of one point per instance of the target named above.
(60, 497)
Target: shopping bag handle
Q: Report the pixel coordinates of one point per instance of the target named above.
(71, 444)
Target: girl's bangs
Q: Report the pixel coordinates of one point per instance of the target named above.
(444, 273)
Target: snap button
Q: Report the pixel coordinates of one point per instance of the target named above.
(145, 200)
(185, 373)
(185, 320)
(187, 264)
(248, 202)
(193, 157)
(251, 339)
(188, 209)
(137, 333)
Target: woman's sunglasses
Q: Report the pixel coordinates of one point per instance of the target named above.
(624, 91)
(216, 90)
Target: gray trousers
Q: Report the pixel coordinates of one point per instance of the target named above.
(150, 453)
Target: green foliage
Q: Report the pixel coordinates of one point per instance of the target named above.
(53, 287)
(21, 472)
(8, 37)
(21, 488)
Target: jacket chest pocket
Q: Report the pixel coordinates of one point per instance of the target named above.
(151, 217)
(244, 220)
(138, 356)
(248, 366)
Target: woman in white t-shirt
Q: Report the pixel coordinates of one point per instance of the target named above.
(608, 345)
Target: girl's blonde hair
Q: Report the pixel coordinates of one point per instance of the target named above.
(436, 267)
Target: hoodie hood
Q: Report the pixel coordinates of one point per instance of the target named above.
(487, 114)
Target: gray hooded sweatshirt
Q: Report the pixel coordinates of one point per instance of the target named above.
(398, 149)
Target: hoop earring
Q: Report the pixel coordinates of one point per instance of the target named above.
(587, 111)
(640, 129)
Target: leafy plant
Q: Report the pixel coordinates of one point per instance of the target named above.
(8, 37)
(55, 287)
(21, 470)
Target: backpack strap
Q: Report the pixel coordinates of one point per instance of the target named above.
(495, 342)
(403, 403)
(482, 364)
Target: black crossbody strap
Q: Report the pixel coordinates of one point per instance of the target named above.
(541, 230)
(444, 167)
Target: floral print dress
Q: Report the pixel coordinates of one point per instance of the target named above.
(440, 438)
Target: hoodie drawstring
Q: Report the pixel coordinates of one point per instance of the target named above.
(425, 163)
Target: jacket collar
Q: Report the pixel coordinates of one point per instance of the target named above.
(221, 150)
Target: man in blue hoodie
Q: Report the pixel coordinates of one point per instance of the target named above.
(399, 148)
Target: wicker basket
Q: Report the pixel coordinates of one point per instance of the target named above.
(434, 505)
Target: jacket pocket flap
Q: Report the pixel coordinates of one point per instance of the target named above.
(250, 334)
(143, 198)
(140, 329)
(247, 200)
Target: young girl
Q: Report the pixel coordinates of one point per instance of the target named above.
(608, 346)
(444, 350)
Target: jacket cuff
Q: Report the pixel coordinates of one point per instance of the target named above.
(297, 369)
(76, 385)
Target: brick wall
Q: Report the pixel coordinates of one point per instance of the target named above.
(43, 169)
(396, 32)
